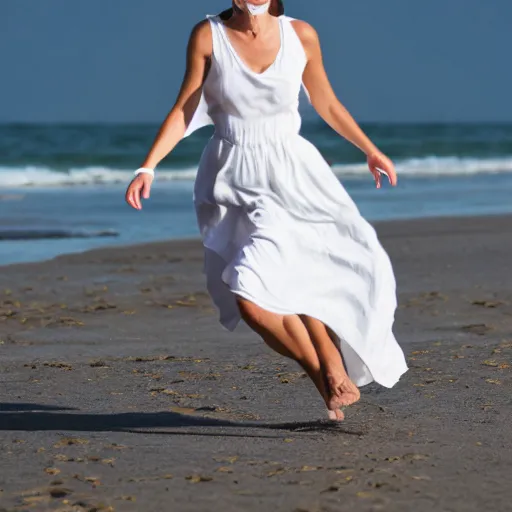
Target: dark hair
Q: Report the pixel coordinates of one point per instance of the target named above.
(276, 9)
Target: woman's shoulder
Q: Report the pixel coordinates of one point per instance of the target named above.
(305, 30)
(201, 37)
(306, 33)
(202, 28)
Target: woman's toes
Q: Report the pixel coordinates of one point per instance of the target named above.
(340, 416)
(336, 414)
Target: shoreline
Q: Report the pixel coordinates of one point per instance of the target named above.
(465, 222)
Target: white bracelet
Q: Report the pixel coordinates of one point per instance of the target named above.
(145, 170)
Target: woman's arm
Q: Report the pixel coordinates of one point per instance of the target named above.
(331, 110)
(172, 130)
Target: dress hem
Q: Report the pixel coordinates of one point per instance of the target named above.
(360, 383)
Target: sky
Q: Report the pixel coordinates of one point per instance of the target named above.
(123, 60)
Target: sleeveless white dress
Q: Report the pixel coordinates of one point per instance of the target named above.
(277, 226)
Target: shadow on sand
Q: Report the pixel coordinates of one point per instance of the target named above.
(34, 417)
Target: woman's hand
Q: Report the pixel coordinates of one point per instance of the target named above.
(380, 161)
(141, 184)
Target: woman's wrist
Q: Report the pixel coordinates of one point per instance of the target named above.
(372, 152)
(366, 146)
(145, 170)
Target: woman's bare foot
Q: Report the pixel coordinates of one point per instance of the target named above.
(342, 391)
(289, 336)
(317, 375)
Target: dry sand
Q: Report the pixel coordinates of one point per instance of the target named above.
(120, 391)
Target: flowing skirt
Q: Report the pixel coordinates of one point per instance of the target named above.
(280, 230)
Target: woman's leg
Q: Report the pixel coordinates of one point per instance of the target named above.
(288, 336)
(342, 391)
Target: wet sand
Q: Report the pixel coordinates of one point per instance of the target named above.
(120, 391)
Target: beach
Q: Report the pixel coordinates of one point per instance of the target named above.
(120, 391)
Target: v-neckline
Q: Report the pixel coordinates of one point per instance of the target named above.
(241, 61)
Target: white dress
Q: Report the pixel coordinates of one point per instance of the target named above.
(277, 226)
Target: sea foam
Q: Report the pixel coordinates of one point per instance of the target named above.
(41, 176)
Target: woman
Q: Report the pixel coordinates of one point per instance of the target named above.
(285, 247)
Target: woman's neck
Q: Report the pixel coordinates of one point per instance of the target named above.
(244, 22)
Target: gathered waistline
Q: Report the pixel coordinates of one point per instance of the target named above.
(257, 132)
(265, 141)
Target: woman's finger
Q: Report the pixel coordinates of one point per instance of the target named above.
(128, 197)
(134, 200)
(146, 190)
(392, 177)
(131, 201)
(390, 173)
(377, 176)
(136, 197)
(132, 197)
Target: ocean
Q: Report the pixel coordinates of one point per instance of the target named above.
(62, 186)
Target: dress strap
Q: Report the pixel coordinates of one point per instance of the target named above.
(293, 40)
(219, 45)
(295, 48)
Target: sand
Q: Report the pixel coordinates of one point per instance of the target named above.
(120, 391)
